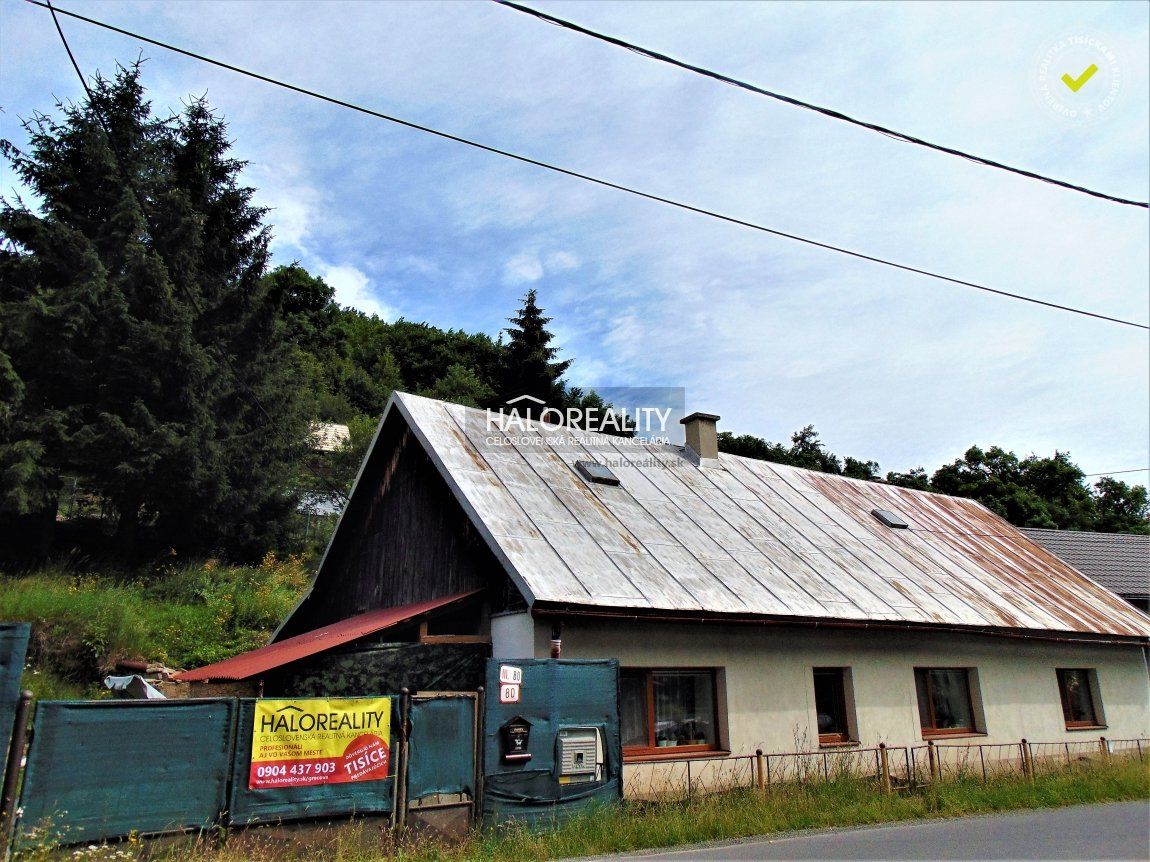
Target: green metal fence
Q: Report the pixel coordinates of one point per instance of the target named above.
(105, 769)
(101, 769)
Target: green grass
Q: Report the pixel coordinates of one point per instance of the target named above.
(739, 814)
(181, 615)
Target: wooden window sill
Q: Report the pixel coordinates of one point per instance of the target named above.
(846, 743)
(652, 757)
(1073, 727)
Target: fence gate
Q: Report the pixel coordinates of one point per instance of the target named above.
(441, 762)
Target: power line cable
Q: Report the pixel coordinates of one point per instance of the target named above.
(589, 178)
(1116, 472)
(798, 103)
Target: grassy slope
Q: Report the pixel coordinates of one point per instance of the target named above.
(182, 616)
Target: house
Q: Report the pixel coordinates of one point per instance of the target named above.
(328, 436)
(1118, 561)
(751, 605)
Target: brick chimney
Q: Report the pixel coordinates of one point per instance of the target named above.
(702, 434)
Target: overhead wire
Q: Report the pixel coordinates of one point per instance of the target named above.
(593, 179)
(799, 103)
(1117, 472)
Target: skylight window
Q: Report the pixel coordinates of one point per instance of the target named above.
(890, 519)
(597, 473)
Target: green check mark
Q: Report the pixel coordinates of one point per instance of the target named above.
(1076, 84)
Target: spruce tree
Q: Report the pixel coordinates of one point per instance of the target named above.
(145, 345)
(529, 359)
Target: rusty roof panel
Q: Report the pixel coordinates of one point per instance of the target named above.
(736, 536)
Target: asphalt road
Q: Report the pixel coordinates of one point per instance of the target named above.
(1118, 830)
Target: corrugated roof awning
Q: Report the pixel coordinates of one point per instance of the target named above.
(257, 661)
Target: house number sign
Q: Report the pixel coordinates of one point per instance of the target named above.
(510, 683)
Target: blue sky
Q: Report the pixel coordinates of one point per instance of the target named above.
(770, 334)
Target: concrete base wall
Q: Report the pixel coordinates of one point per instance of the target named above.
(766, 689)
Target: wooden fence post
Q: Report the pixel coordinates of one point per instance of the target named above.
(400, 796)
(1027, 760)
(1104, 747)
(932, 756)
(885, 767)
(759, 778)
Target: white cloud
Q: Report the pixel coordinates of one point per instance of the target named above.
(530, 266)
(562, 261)
(524, 268)
(294, 205)
(353, 288)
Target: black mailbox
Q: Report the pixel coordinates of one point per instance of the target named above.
(515, 735)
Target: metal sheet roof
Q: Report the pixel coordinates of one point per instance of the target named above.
(257, 661)
(1118, 561)
(738, 536)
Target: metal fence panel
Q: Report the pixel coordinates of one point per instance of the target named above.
(248, 806)
(101, 769)
(13, 649)
(442, 746)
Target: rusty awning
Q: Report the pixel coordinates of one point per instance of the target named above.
(274, 655)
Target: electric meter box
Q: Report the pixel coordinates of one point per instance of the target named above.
(579, 755)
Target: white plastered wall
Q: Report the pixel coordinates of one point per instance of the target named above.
(769, 691)
(512, 635)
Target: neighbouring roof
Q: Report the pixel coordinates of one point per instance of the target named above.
(1118, 561)
(283, 652)
(328, 437)
(736, 536)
